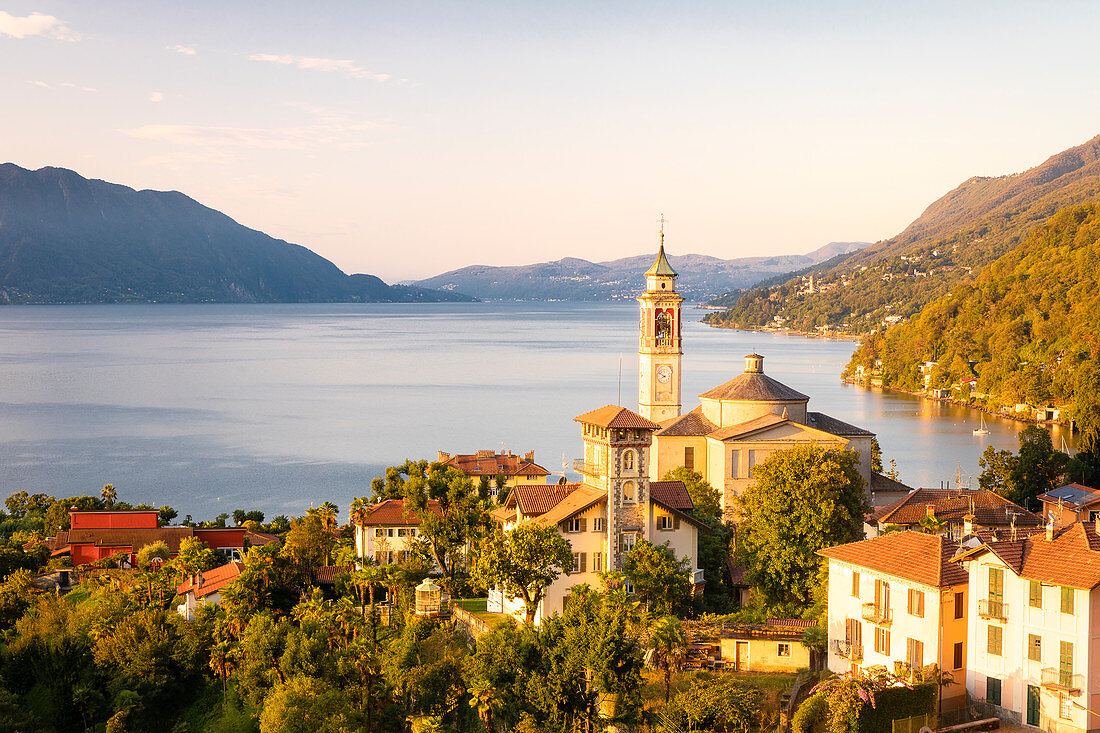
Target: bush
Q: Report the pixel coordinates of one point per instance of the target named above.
(718, 704)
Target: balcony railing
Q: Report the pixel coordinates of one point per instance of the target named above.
(988, 608)
(876, 614)
(848, 650)
(697, 576)
(589, 469)
(1062, 680)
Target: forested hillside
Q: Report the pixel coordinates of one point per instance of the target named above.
(1027, 326)
(971, 226)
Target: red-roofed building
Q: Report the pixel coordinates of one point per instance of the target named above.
(516, 470)
(899, 601)
(206, 588)
(962, 512)
(389, 529)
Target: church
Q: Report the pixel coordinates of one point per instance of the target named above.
(737, 424)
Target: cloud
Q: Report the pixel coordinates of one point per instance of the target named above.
(156, 97)
(181, 158)
(35, 24)
(185, 50)
(38, 83)
(66, 84)
(343, 134)
(332, 66)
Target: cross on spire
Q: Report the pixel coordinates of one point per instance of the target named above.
(661, 221)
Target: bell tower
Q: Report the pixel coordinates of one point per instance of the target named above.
(660, 350)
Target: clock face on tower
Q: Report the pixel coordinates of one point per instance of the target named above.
(664, 373)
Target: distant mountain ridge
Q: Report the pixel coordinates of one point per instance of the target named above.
(572, 278)
(68, 239)
(969, 227)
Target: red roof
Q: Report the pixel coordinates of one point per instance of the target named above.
(211, 581)
(1071, 558)
(613, 416)
(327, 574)
(397, 512)
(535, 499)
(988, 508)
(489, 463)
(922, 558)
(672, 494)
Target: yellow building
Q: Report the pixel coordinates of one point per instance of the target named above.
(737, 424)
(515, 469)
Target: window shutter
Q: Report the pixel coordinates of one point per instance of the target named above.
(675, 522)
(920, 604)
(584, 557)
(584, 524)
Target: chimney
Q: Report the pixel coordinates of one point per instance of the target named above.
(1096, 524)
(968, 525)
(443, 456)
(529, 456)
(1050, 530)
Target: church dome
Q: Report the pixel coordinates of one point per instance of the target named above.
(754, 386)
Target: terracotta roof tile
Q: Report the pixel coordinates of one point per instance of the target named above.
(535, 499)
(327, 574)
(213, 580)
(921, 558)
(613, 416)
(672, 494)
(1071, 558)
(396, 512)
(496, 464)
(581, 498)
(754, 387)
(988, 508)
(136, 538)
(693, 423)
(257, 539)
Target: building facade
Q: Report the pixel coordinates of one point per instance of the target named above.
(488, 463)
(389, 529)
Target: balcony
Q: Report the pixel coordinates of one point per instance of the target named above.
(990, 609)
(1063, 680)
(697, 577)
(847, 650)
(876, 614)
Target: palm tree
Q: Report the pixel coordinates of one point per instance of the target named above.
(109, 494)
(668, 646)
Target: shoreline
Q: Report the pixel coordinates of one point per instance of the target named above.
(792, 332)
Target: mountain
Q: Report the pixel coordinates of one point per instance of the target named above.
(67, 239)
(1025, 326)
(701, 276)
(958, 234)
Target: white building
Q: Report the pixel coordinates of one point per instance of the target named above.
(205, 588)
(389, 530)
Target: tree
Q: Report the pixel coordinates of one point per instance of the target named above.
(195, 556)
(109, 495)
(523, 562)
(657, 576)
(1021, 478)
(669, 648)
(165, 515)
(706, 498)
(153, 552)
(308, 542)
(802, 500)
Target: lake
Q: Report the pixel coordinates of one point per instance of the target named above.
(209, 408)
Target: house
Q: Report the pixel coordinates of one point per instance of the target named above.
(515, 469)
(960, 512)
(608, 513)
(898, 600)
(94, 535)
(389, 530)
(1071, 503)
(206, 588)
(774, 647)
(1034, 606)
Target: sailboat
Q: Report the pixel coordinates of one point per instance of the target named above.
(982, 430)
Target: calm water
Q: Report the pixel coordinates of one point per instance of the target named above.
(213, 407)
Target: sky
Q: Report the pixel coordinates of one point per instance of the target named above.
(405, 139)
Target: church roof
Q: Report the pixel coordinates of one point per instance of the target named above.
(613, 416)
(661, 266)
(821, 421)
(693, 423)
(749, 426)
(754, 387)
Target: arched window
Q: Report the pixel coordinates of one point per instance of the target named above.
(628, 460)
(628, 491)
(664, 325)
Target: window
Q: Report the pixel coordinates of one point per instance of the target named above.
(628, 460)
(689, 458)
(735, 468)
(853, 631)
(993, 690)
(628, 491)
(378, 532)
(598, 524)
(1065, 663)
(402, 532)
(994, 637)
(882, 641)
(997, 584)
(960, 605)
(855, 584)
(597, 562)
(1065, 707)
(914, 653)
(1067, 600)
(579, 562)
(576, 524)
(783, 650)
(664, 522)
(1035, 594)
(958, 655)
(1034, 648)
(389, 532)
(628, 541)
(916, 603)
(882, 594)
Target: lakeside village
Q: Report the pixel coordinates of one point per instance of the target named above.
(742, 565)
